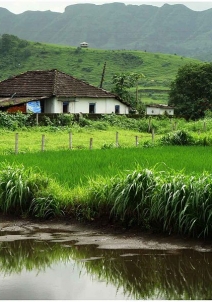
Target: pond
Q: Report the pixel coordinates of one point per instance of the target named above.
(58, 269)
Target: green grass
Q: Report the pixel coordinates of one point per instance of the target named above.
(163, 185)
(87, 64)
(71, 167)
(168, 189)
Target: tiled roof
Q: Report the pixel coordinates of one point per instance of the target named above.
(163, 106)
(48, 83)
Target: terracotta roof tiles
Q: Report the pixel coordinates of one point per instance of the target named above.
(47, 83)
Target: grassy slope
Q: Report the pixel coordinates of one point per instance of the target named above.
(87, 64)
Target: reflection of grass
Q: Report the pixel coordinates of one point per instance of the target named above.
(144, 275)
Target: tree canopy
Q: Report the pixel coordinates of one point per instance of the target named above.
(191, 91)
(122, 84)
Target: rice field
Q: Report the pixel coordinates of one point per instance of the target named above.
(71, 167)
(165, 188)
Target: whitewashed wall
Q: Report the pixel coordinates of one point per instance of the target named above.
(159, 111)
(103, 105)
(53, 106)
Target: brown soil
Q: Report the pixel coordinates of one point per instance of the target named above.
(106, 236)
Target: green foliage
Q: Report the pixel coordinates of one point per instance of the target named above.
(123, 82)
(45, 207)
(17, 187)
(87, 64)
(184, 204)
(14, 121)
(178, 138)
(130, 197)
(156, 198)
(166, 201)
(191, 91)
(23, 192)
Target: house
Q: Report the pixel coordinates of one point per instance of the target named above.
(53, 91)
(84, 45)
(159, 109)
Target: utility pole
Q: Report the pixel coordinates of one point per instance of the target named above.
(103, 74)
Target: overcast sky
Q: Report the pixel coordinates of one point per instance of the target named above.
(19, 6)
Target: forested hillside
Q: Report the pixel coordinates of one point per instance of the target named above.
(173, 29)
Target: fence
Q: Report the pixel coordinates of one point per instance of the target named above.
(70, 141)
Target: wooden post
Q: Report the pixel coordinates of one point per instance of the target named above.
(136, 141)
(70, 140)
(175, 125)
(36, 119)
(91, 143)
(153, 135)
(43, 143)
(204, 126)
(16, 143)
(149, 127)
(117, 139)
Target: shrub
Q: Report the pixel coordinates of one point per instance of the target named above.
(180, 137)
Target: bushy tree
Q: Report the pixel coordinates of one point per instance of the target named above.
(191, 91)
(122, 84)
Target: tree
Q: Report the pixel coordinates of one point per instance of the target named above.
(7, 43)
(191, 91)
(123, 82)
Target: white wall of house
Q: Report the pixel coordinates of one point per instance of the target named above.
(159, 111)
(53, 106)
(102, 106)
(86, 105)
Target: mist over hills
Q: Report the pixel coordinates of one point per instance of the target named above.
(172, 29)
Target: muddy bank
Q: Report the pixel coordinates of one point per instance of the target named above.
(107, 236)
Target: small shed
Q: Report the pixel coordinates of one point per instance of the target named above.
(84, 45)
(159, 109)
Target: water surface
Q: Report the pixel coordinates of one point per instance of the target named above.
(37, 269)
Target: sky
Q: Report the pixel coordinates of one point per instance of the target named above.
(20, 6)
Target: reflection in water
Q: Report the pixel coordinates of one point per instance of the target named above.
(140, 274)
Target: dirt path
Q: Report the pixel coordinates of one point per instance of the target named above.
(107, 237)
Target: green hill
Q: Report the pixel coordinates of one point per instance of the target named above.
(17, 56)
(167, 29)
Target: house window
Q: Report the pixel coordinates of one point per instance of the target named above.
(117, 109)
(42, 105)
(65, 107)
(92, 108)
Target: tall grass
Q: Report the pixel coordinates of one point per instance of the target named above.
(167, 201)
(25, 192)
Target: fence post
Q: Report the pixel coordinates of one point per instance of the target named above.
(153, 135)
(70, 140)
(91, 143)
(149, 126)
(204, 126)
(43, 143)
(36, 119)
(136, 141)
(16, 143)
(117, 139)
